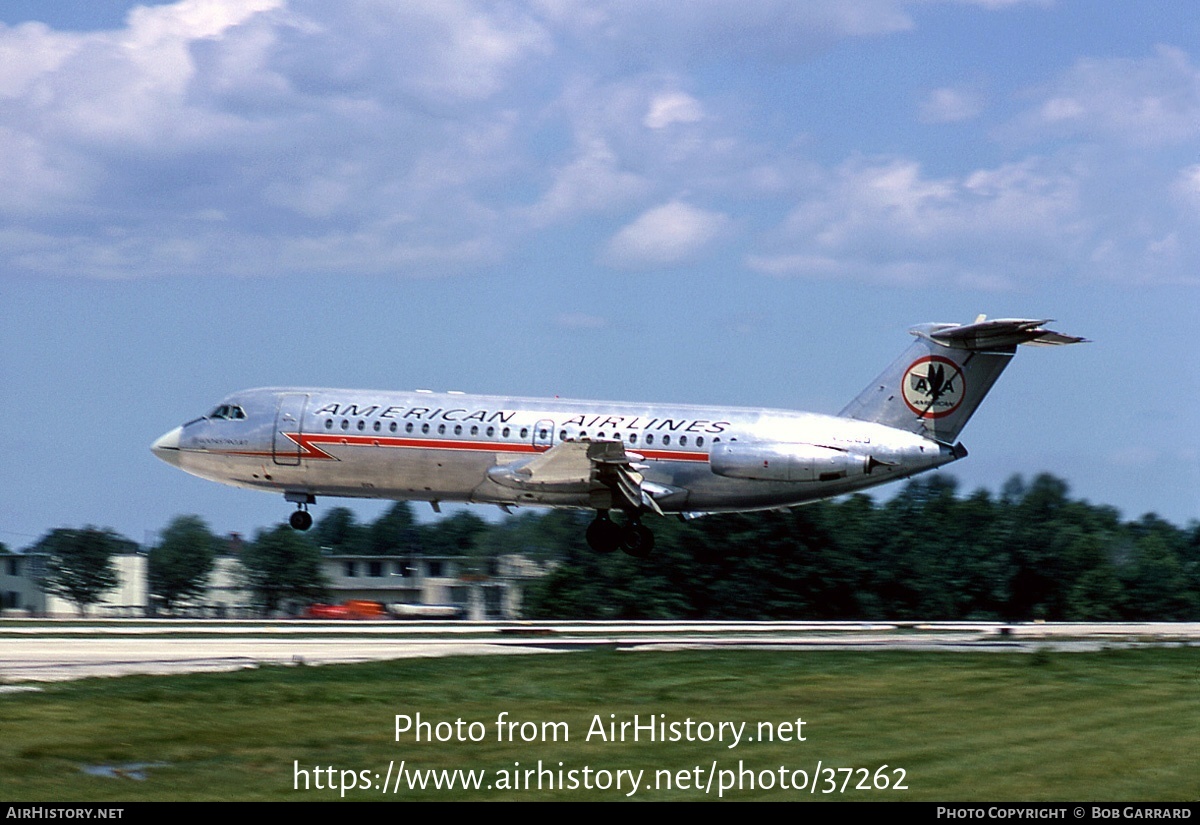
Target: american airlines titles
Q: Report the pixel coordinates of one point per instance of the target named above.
(615, 422)
(420, 413)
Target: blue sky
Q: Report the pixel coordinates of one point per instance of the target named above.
(707, 202)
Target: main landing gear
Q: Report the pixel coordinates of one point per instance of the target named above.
(604, 535)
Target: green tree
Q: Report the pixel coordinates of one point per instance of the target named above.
(282, 566)
(395, 533)
(454, 535)
(1156, 583)
(1096, 597)
(182, 561)
(339, 532)
(461, 534)
(79, 564)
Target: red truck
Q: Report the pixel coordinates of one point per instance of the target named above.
(352, 609)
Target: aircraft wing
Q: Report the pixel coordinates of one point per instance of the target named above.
(581, 467)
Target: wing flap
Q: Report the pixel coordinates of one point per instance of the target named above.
(582, 467)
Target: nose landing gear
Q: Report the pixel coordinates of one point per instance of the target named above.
(301, 519)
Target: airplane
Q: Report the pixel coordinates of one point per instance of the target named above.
(603, 455)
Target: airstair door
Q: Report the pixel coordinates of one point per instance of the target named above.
(289, 419)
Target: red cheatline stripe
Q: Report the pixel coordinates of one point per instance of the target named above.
(308, 445)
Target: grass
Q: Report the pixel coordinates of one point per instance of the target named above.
(1116, 725)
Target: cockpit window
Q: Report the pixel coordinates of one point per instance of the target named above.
(227, 412)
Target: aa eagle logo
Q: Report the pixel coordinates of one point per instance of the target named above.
(933, 386)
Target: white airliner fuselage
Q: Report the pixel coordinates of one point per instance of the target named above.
(637, 458)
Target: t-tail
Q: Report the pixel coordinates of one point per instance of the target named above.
(935, 386)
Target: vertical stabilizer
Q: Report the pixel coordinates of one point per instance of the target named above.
(936, 385)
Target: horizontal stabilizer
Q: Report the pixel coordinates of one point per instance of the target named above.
(1001, 333)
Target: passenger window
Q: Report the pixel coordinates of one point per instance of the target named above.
(505, 432)
(475, 431)
(361, 425)
(666, 439)
(700, 441)
(329, 423)
(683, 440)
(441, 429)
(458, 429)
(345, 424)
(650, 438)
(408, 428)
(425, 428)
(633, 438)
(491, 431)
(378, 425)
(392, 426)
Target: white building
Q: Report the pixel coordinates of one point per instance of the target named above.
(21, 593)
(453, 584)
(434, 581)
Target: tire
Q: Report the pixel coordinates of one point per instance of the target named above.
(603, 535)
(637, 540)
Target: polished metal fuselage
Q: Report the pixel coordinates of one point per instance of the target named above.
(441, 447)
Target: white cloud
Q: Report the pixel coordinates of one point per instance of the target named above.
(951, 105)
(1186, 187)
(318, 195)
(30, 179)
(440, 53)
(211, 136)
(1149, 101)
(592, 182)
(132, 84)
(29, 52)
(883, 219)
(665, 235)
(673, 107)
(270, 115)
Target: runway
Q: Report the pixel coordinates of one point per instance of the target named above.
(48, 651)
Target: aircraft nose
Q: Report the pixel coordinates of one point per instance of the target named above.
(167, 446)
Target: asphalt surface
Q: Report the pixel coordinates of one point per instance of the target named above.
(47, 651)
